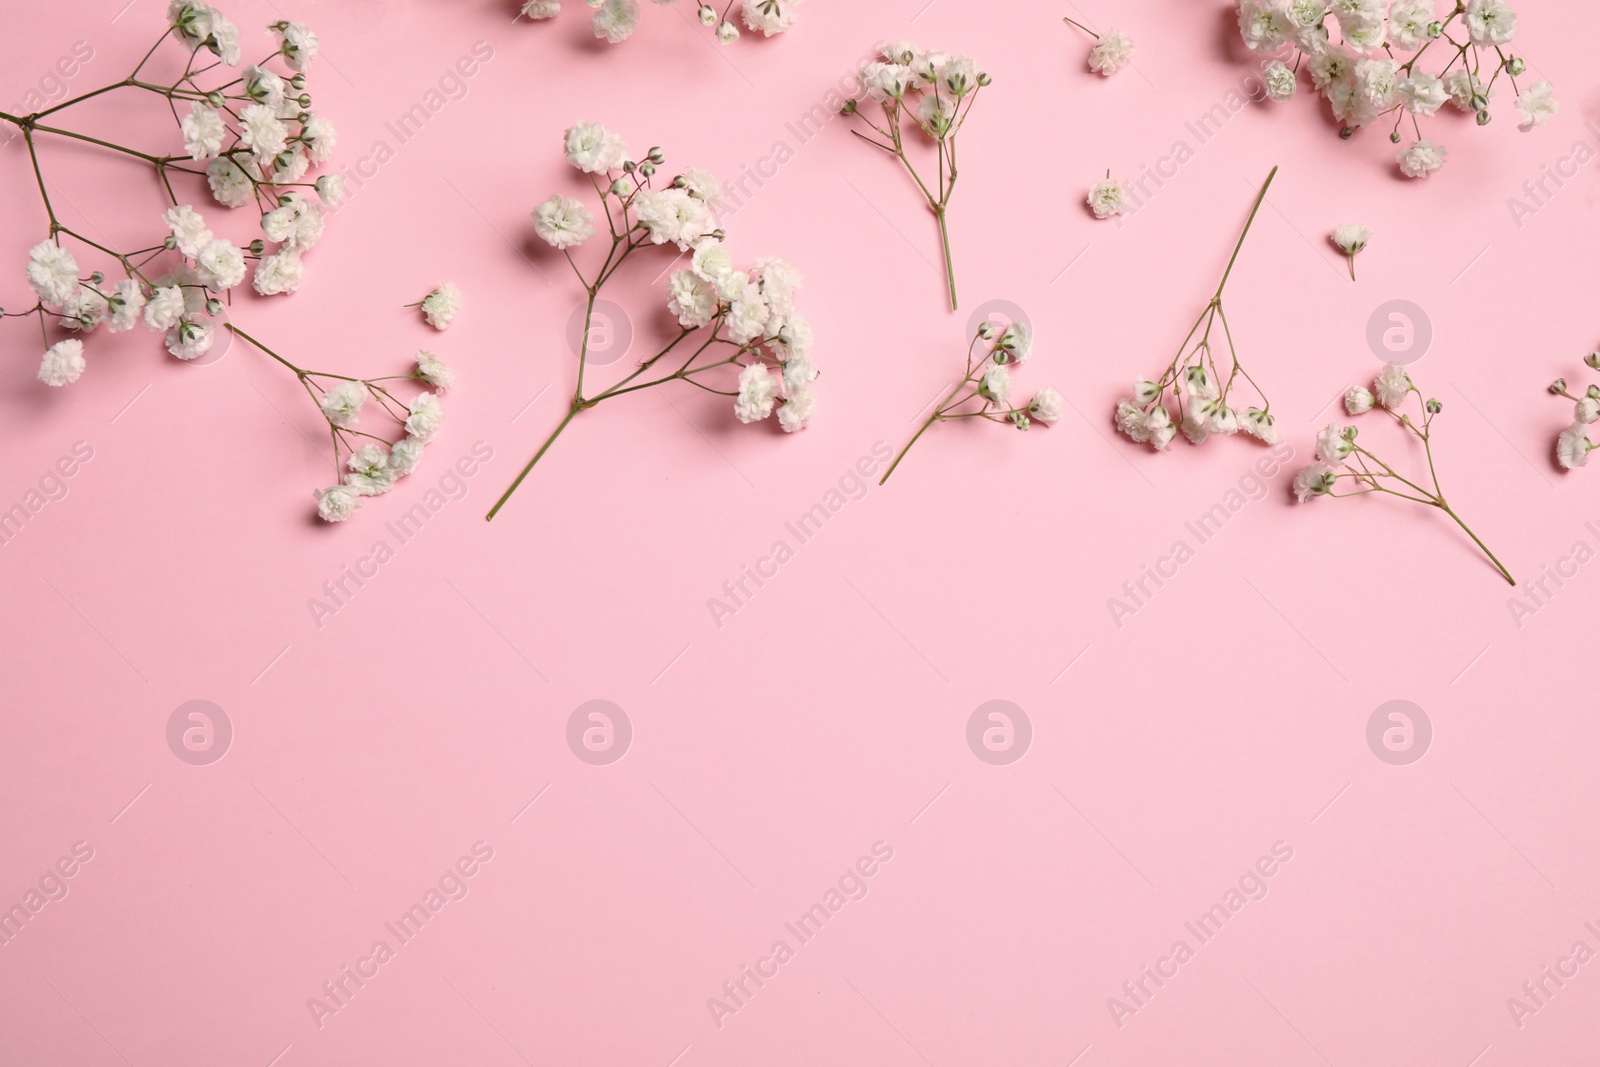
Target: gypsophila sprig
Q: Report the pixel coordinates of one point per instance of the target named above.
(739, 333)
(1346, 465)
(1353, 52)
(1112, 50)
(1351, 238)
(1202, 388)
(366, 463)
(616, 20)
(984, 392)
(1572, 444)
(931, 92)
(440, 306)
(251, 135)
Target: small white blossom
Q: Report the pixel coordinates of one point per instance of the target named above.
(563, 222)
(52, 272)
(758, 393)
(435, 371)
(440, 306)
(63, 363)
(338, 503)
(1112, 52)
(424, 417)
(342, 404)
(1108, 198)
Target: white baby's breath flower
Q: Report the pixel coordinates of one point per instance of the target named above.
(424, 416)
(63, 363)
(1422, 159)
(1490, 22)
(691, 298)
(769, 16)
(1314, 480)
(1130, 420)
(758, 393)
(1422, 94)
(1259, 424)
(1335, 443)
(796, 410)
(230, 186)
(221, 264)
(1392, 386)
(1358, 400)
(342, 404)
(1108, 198)
(203, 131)
(1046, 405)
(371, 473)
(406, 455)
(261, 131)
(1350, 238)
(1408, 22)
(995, 384)
(84, 310)
(541, 9)
(52, 272)
(338, 503)
(1572, 445)
(615, 20)
(188, 228)
(592, 148)
(166, 306)
(1112, 52)
(440, 306)
(563, 222)
(127, 300)
(435, 371)
(330, 189)
(190, 338)
(1537, 105)
(299, 45)
(1279, 81)
(280, 272)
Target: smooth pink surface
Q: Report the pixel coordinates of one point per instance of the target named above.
(1168, 754)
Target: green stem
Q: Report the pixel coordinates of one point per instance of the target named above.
(537, 456)
(1478, 541)
(1262, 195)
(949, 266)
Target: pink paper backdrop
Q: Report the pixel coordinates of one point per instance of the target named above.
(1219, 731)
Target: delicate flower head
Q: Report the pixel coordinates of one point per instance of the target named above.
(1537, 105)
(1408, 22)
(1351, 237)
(221, 264)
(261, 131)
(1422, 158)
(758, 393)
(691, 298)
(330, 189)
(593, 149)
(1358, 400)
(440, 306)
(127, 300)
(1046, 405)
(63, 363)
(673, 216)
(702, 185)
(406, 455)
(1279, 81)
(1572, 446)
(1112, 52)
(338, 503)
(1108, 198)
(280, 272)
(615, 20)
(166, 306)
(769, 16)
(563, 222)
(1259, 424)
(203, 131)
(995, 384)
(796, 410)
(299, 45)
(371, 473)
(1392, 386)
(1314, 480)
(435, 371)
(342, 404)
(52, 272)
(1490, 22)
(424, 416)
(541, 9)
(230, 186)
(1335, 443)
(190, 338)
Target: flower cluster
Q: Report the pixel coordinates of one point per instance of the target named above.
(737, 328)
(1111, 51)
(615, 20)
(440, 306)
(1352, 52)
(1203, 399)
(984, 392)
(1572, 444)
(934, 92)
(1345, 467)
(364, 463)
(252, 139)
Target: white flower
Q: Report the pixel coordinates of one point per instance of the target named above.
(261, 131)
(1046, 405)
(1194, 429)
(672, 215)
(338, 503)
(563, 222)
(435, 371)
(1334, 443)
(711, 260)
(995, 384)
(1537, 104)
(299, 45)
(190, 338)
(693, 300)
(1108, 198)
(280, 272)
(1111, 52)
(1145, 391)
(796, 411)
(758, 393)
(1314, 480)
(1463, 86)
(886, 81)
(319, 137)
(166, 306)
(440, 306)
(1216, 416)
(1016, 339)
(1263, 25)
(1490, 22)
(542, 9)
(189, 230)
(899, 52)
(1422, 158)
(203, 131)
(1198, 381)
(370, 471)
(1408, 22)
(230, 186)
(127, 300)
(768, 16)
(84, 310)
(221, 264)
(615, 20)
(791, 338)
(1130, 420)
(798, 374)
(264, 86)
(297, 222)
(702, 185)
(1279, 80)
(406, 455)
(1572, 446)
(1351, 237)
(1422, 94)
(748, 313)
(936, 115)
(224, 39)
(780, 281)
(424, 416)
(330, 189)
(1259, 424)
(1358, 400)
(1392, 385)
(52, 272)
(1379, 82)
(727, 33)
(342, 404)
(959, 75)
(63, 363)
(1587, 410)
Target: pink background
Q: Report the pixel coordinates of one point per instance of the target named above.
(829, 713)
